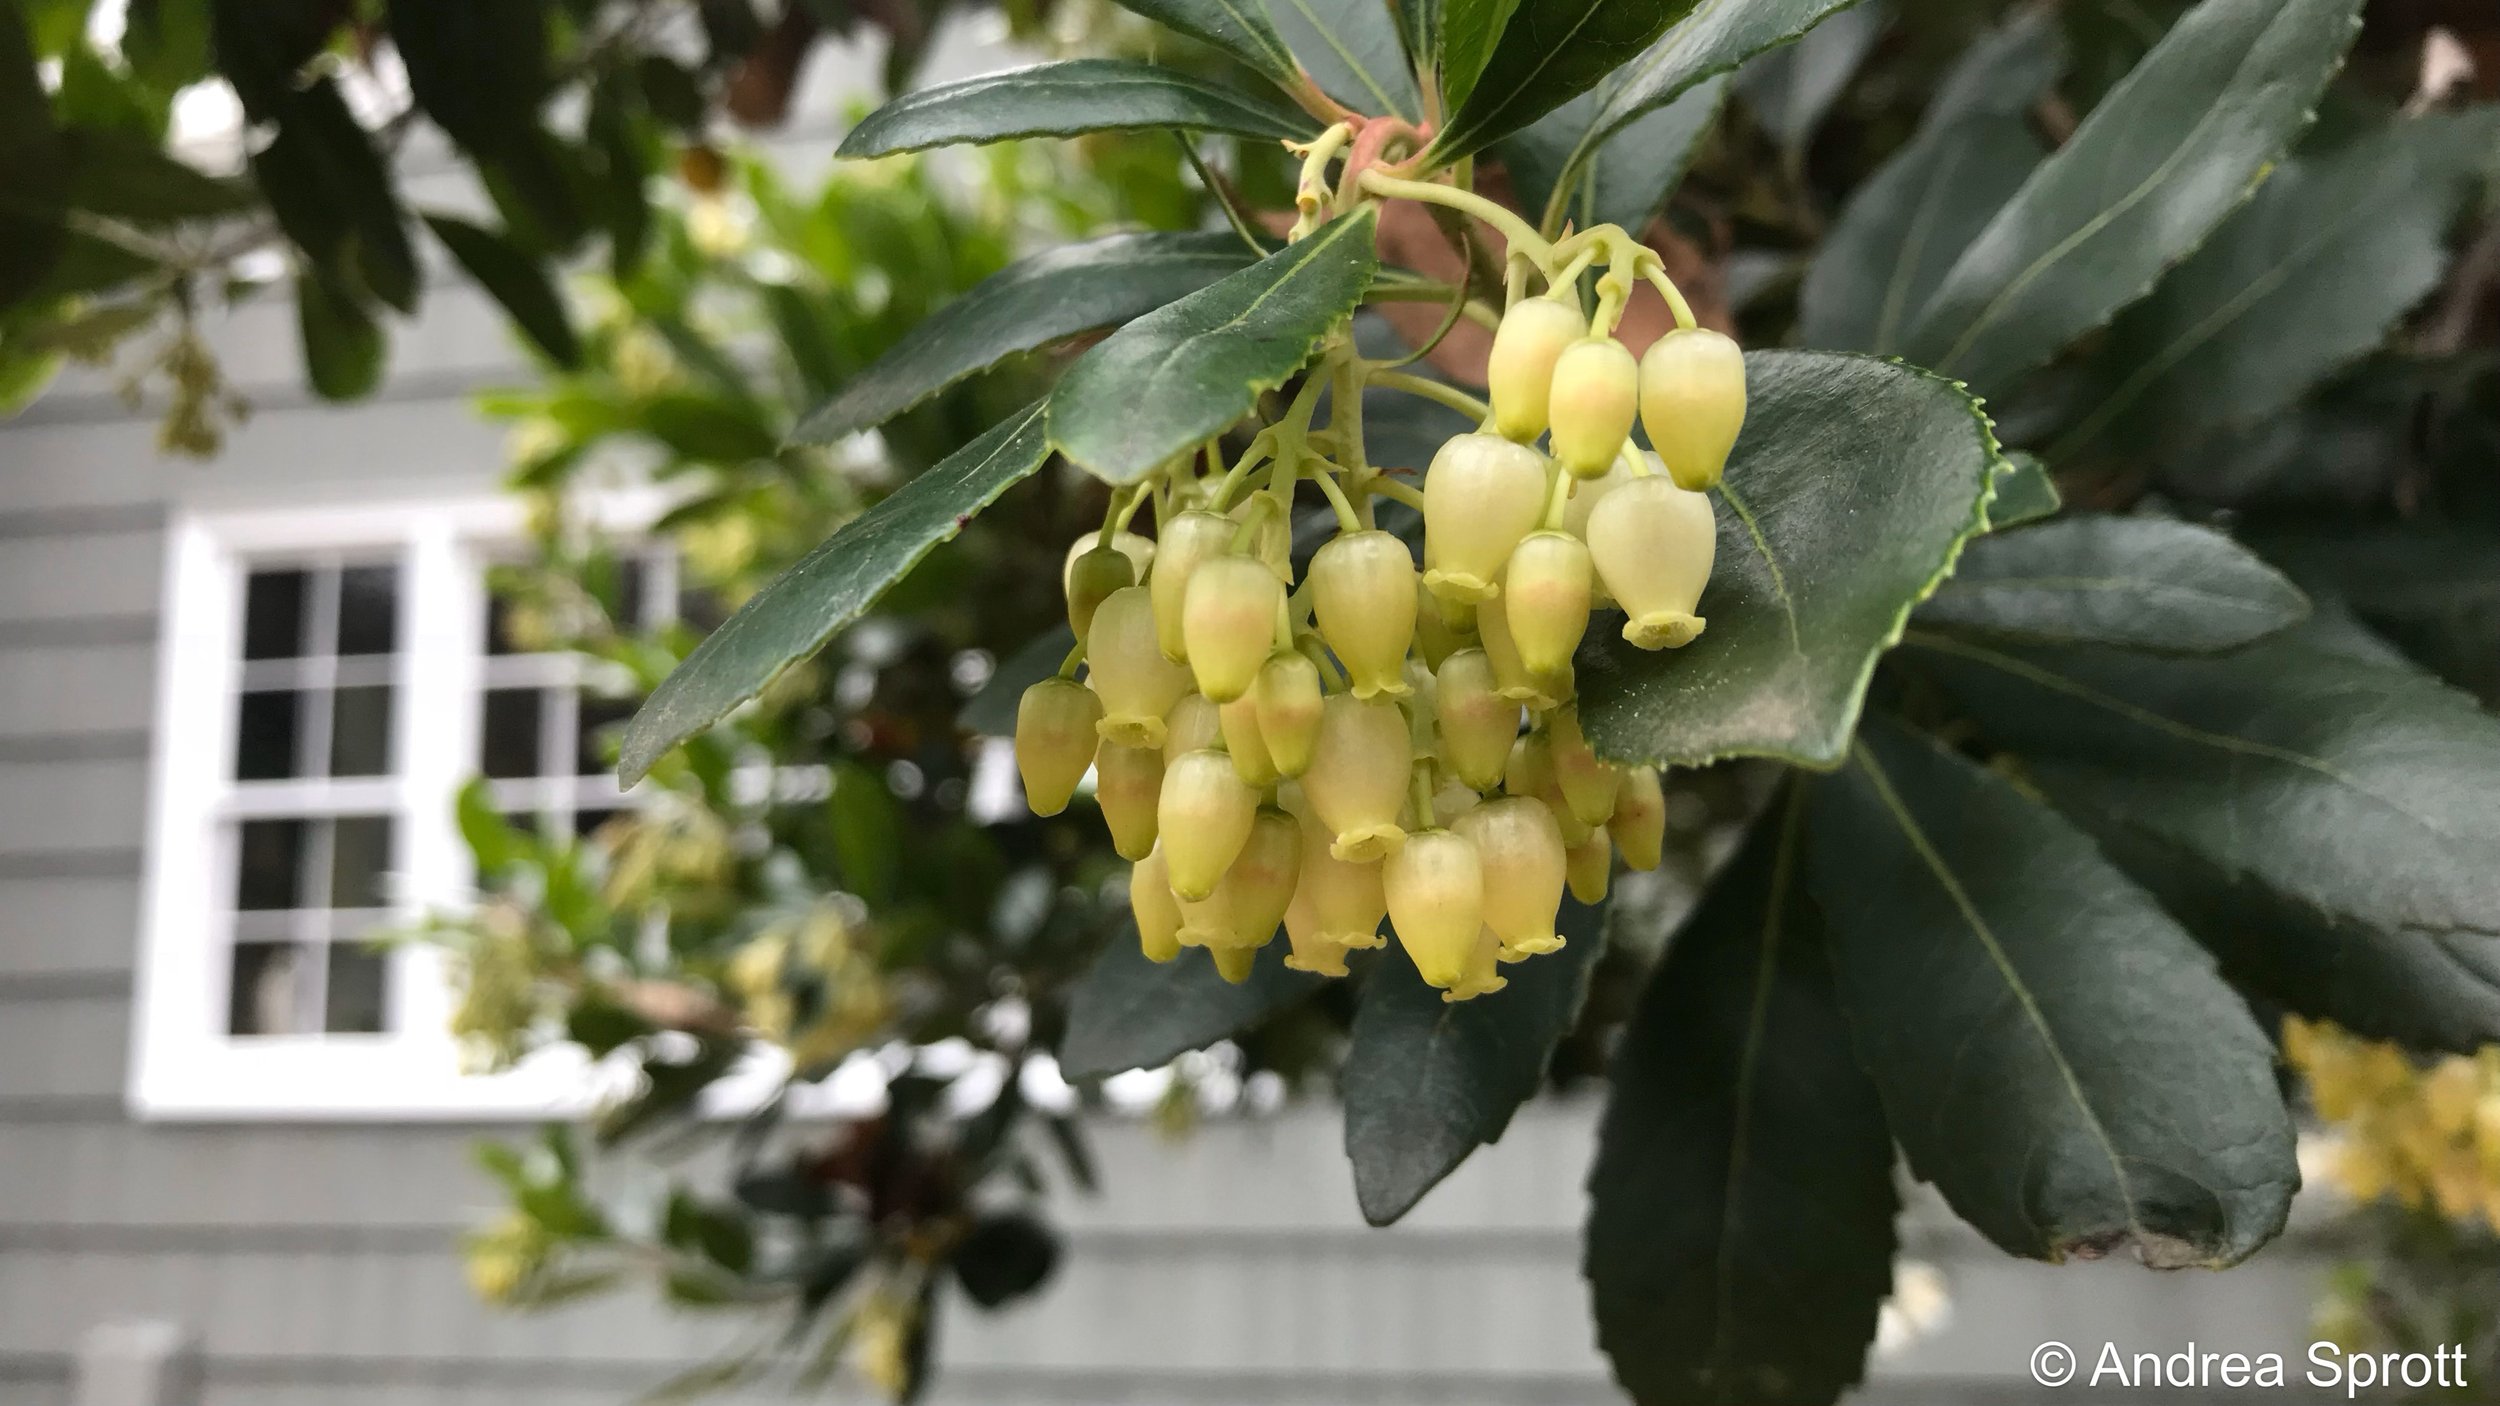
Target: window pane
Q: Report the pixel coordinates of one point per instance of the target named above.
(594, 750)
(270, 865)
(511, 733)
(368, 609)
(360, 731)
(271, 992)
(360, 857)
(359, 986)
(266, 734)
(499, 626)
(273, 614)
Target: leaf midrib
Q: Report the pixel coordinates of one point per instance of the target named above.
(1740, 1137)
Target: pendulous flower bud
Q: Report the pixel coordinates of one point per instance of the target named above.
(1520, 369)
(1362, 588)
(1435, 889)
(1140, 552)
(1128, 785)
(1234, 964)
(1136, 683)
(1524, 862)
(1590, 867)
(1092, 576)
(1288, 699)
(1639, 826)
(1511, 675)
(1242, 738)
(1157, 912)
(1204, 820)
(1437, 637)
(1229, 621)
(1589, 786)
(1654, 543)
(1342, 900)
(1531, 774)
(1358, 776)
(1190, 539)
(1545, 600)
(1482, 975)
(1476, 723)
(1597, 396)
(1055, 741)
(1481, 495)
(1693, 403)
(1194, 724)
(1251, 897)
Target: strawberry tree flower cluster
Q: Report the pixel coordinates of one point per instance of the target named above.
(1382, 740)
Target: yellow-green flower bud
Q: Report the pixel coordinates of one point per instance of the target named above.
(1545, 600)
(1289, 704)
(1483, 973)
(1435, 888)
(1242, 738)
(1271, 539)
(1157, 912)
(1140, 552)
(1190, 540)
(1589, 786)
(1345, 899)
(1597, 396)
(1055, 741)
(1358, 776)
(1654, 543)
(1693, 403)
(1590, 867)
(1521, 851)
(1311, 950)
(1476, 723)
(1531, 774)
(1639, 826)
(1437, 636)
(1234, 964)
(1520, 369)
(1454, 799)
(1363, 600)
(1229, 621)
(1204, 820)
(1127, 670)
(1128, 785)
(1511, 675)
(1482, 494)
(1194, 724)
(1092, 577)
(1250, 899)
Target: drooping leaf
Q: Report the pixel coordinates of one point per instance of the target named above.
(34, 170)
(1789, 89)
(1054, 295)
(1550, 52)
(705, 426)
(1238, 27)
(1351, 48)
(127, 178)
(1740, 1209)
(519, 283)
(2136, 582)
(1852, 490)
(477, 67)
(1469, 31)
(2165, 157)
(1632, 172)
(2025, 493)
(829, 588)
(1172, 378)
(327, 186)
(1427, 1081)
(2305, 279)
(2300, 776)
(1064, 100)
(262, 47)
(1420, 24)
(343, 345)
(1128, 1013)
(2054, 1053)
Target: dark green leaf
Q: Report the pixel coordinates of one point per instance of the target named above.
(1351, 48)
(830, 587)
(1128, 1013)
(1632, 172)
(2025, 493)
(1427, 1082)
(2137, 582)
(2307, 278)
(708, 428)
(343, 345)
(1005, 1257)
(992, 711)
(327, 186)
(1238, 27)
(1029, 305)
(1550, 52)
(1420, 25)
(477, 67)
(2054, 1053)
(1065, 100)
(2335, 788)
(1854, 487)
(34, 169)
(868, 832)
(127, 178)
(1469, 31)
(1740, 1210)
(1174, 377)
(2164, 158)
(165, 42)
(262, 47)
(1906, 227)
(1789, 89)
(521, 284)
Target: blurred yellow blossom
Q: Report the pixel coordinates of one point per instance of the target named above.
(2426, 1136)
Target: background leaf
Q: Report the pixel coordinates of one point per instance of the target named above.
(1352, 50)
(1550, 52)
(830, 587)
(1128, 1013)
(328, 188)
(2025, 493)
(2140, 582)
(1427, 1082)
(477, 67)
(2054, 1053)
(521, 284)
(34, 177)
(2164, 158)
(1740, 1232)
(1862, 480)
(1234, 26)
(1172, 378)
(1469, 31)
(343, 345)
(1051, 296)
(1064, 100)
(1632, 172)
(1789, 89)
